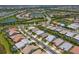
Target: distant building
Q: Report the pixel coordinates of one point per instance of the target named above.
(44, 35)
(36, 15)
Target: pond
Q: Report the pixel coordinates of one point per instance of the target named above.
(9, 20)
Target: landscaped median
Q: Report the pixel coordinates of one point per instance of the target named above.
(66, 38)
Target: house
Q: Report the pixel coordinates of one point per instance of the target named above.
(59, 29)
(44, 35)
(49, 27)
(66, 46)
(58, 41)
(23, 16)
(27, 49)
(22, 43)
(74, 25)
(43, 23)
(34, 29)
(17, 37)
(64, 31)
(53, 28)
(76, 21)
(70, 34)
(50, 38)
(25, 40)
(44, 52)
(12, 30)
(75, 50)
(29, 28)
(77, 37)
(52, 24)
(39, 51)
(61, 24)
(39, 32)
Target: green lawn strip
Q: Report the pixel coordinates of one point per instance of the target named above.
(64, 37)
(36, 20)
(5, 43)
(66, 22)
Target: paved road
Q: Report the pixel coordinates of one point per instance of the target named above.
(48, 18)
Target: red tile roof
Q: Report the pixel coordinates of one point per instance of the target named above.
(17, 37)
(75, 50)
(12, 29)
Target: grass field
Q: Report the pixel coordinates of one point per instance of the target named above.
(5, 43)
(2, 49)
